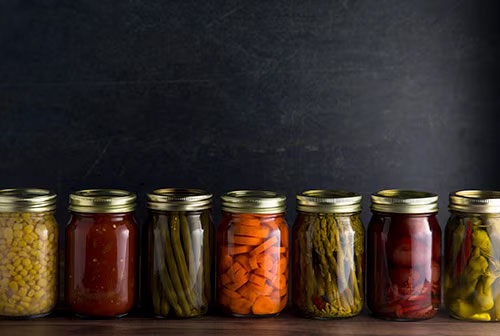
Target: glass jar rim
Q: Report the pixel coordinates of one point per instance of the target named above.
(475, 201)
(179, 199)
(253, 202)
(404, 201)
(102, 201)
(27, 200)
(329, 201)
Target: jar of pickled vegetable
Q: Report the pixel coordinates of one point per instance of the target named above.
(180, 244)
(252, 254)
(472, 256)
(28, 253)
(328, 252)
(101, 253)
(404, 256)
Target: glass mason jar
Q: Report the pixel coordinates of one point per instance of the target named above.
(472, 256)
(101, 253)
(252, 254)
(328, 254)
(180, 252)
(28, 253)
(404, 256)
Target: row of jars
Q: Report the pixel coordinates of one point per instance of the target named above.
(252, 273)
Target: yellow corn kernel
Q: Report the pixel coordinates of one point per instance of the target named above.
(28, 228)
(10, 267)
(13, 286)
(17, 234)
(36, 267)
(8, 234)
(38, 294)
(25, 304)
(11, 255)
(28, 267)
(17, 227)
(22, 291)
(26, 262)
(36, 287)
(23, 272)
(42, 282)
(31, 292)
(28, 238)
(26, 299)
(37, 244)
(22, 244)
(18, 268)
(16, 262)
(22, 282)
(18, 277)
(16, 297)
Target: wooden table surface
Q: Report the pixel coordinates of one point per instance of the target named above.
(286, 324)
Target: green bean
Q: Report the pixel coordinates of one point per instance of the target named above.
(160, 227)
(176, 279)
(207, 254)
(196, 272)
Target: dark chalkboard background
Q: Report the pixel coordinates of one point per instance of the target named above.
(221, 95)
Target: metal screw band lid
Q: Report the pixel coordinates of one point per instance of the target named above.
(27, 200)
(404, 201)
(102, 201)
(253, 201)
(178, 199)
(335, 201)
(475, 201)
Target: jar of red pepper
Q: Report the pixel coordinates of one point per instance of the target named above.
(404, 255)
(101, 253)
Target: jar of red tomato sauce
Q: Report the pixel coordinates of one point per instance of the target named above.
(101, 253)
(252, 254)
(404, 255)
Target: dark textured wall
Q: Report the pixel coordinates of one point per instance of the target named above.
(219, 95)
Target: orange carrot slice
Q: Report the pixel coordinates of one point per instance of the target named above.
(237, 284)
(248, 293)
(265, 261)
(258, 280)
(225, 279)
(239, 249)
(240, 306)
(264, 246)
(247, 220)
(253, 262)
(264, 305)
(259, 232)
(270, 222)
(266, 274)
(283, 265)
(230, 293)
(244, 261)
(243, 240)
(261, 290)
(284, 291)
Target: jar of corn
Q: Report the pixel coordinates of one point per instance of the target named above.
(28, 253)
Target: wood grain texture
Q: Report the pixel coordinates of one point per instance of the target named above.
(287, 324)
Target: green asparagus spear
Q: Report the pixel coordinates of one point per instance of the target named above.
(155, 289)
(180, 258)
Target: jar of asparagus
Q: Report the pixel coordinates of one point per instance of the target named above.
(180, 234)
(472, 256)
(404, 255)
(328, 252)
(252, 254)
(28, 253)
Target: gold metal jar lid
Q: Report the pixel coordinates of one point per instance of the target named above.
(177, 199)
(102, 201)
(404, 201)
(333, 201)
(475, 201)
(253, 201)
(27, 200)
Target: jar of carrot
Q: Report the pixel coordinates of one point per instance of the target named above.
(252, 254)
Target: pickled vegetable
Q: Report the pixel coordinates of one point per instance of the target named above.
(252, 256)
(180, 257)
(28, 263)
(472, 267)
(328, 265)
(404, 266)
